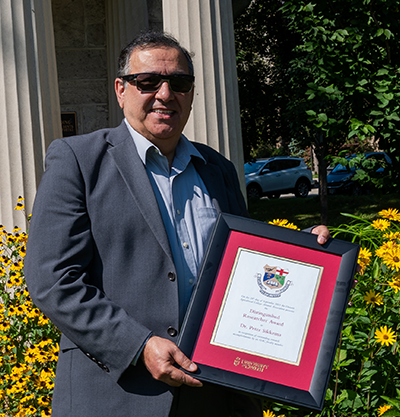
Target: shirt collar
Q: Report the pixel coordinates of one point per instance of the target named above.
(184, 151)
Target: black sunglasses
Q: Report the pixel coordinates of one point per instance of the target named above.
(150, 83)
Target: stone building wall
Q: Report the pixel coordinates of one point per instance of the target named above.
(154, 10)
(81, 53)
(80, 41)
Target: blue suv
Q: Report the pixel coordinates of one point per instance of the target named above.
(340, 179)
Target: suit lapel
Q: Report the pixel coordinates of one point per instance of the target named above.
(130, 166)
(213, 179)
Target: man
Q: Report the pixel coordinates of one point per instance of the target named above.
(119, 228)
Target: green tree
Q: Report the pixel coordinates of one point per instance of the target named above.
(264, 47)
(345, 78)
(322, 75)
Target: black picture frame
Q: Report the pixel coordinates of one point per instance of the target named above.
(344, 253)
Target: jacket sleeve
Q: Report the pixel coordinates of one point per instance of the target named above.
(60, 274)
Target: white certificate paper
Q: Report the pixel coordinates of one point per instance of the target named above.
(267, 306)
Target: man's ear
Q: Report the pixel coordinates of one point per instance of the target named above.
(120, 91)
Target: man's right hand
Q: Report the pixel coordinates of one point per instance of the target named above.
(159, 355)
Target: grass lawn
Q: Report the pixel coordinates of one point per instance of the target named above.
(305, 212)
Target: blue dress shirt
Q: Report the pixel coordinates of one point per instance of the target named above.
(185, 205)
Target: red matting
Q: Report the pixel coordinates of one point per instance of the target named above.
(296, 376)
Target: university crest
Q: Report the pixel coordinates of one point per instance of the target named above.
(273, 282)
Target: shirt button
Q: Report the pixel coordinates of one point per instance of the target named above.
(185, 245)
(172, 332)
(171, 276)
(191, 281)
(178, 212)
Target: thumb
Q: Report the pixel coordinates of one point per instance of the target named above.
(184, 362)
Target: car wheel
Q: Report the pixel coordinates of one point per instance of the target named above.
(253, 191)
(273, 195)
(302, 188)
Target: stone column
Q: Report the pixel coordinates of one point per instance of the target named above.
(29, 104)
(125, 19)
(205, 27)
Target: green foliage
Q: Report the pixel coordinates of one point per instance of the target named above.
(345, 73)
(264, 48)
(365, 379)
(371, 173)
(28, 340)
(304, 212)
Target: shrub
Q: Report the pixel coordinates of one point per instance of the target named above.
(28, 340)
(365, 379)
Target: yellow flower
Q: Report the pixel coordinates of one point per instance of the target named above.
(27, 398)
(392, 258)
(33, 312)
(30, 356)
(391, 214)
(278, 222)
(386, 246)
(268, 413)
(284, 223)
(371, 298)
(292, 226)
(20, 204)
(395, 283)
(43, 320)
(31, 410)
(385, 336)
(20, 310)
(46, 378)
(46, 412)
(44, 343)
(4, 326)
(381, 224)
(10, 238)
(5, 260)
(22, 251)
(15, 279)
(44, 401)
(53, 353)
(392, 235)
(364, 258)
(383, 408)
(16, 266)
(12, 311)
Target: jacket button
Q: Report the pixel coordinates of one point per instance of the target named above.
(171, 276)
(172, 332)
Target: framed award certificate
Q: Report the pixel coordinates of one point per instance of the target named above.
(267, 310)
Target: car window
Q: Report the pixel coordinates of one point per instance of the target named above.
(290, 163)
(274, 166)
(251, 167)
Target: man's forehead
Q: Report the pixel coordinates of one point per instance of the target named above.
(150, 55)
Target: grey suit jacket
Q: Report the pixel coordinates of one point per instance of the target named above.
(99, 265)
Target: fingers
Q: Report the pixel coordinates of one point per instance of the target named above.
(159, 356)
(322, 232)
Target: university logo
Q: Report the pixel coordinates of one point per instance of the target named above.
(273, 282)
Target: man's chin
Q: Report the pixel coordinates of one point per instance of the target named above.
(165, 131)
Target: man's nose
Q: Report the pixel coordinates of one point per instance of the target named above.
(165, 93)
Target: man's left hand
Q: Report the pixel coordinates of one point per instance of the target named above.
(322, 232)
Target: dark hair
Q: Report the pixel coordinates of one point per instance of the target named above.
(147, 40)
